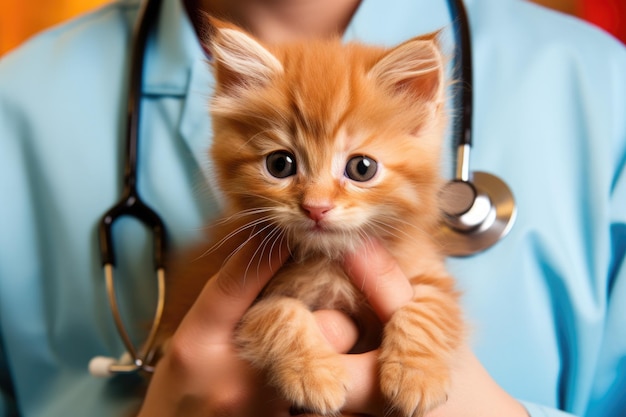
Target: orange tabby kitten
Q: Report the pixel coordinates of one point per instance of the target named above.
(323, 146)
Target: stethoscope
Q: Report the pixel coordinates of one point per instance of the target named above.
(478, 207)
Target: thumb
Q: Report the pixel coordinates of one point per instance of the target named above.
(229, 293)
(378, 275)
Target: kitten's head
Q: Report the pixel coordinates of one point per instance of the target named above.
(328, 142)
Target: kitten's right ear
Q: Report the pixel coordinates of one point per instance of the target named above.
(239, 60)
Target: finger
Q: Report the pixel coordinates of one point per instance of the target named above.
(364, 396)
(339, 329)
(376, 273)
(229, 293)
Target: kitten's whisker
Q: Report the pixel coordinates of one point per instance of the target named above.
(288, 245)
(281, 235)
(236, 217)
(289, 240)
(413, 225)
(244, 243)
(276, 236)
(242, 213)
(257, 249)
(264, 197)
(388, 412)
(223, 240)
(382, 225)
(424, 233)
(263, 246)
(364, 239)
(251, 226)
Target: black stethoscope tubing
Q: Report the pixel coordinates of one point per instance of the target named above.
(463, 71)
(131, 205)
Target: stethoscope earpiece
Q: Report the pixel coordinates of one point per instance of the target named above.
(475, 214)
(105, 366)
(100, 366)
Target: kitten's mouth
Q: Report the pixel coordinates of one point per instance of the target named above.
(319, 232)
(320, 227)
(317, 227)
(328, 238)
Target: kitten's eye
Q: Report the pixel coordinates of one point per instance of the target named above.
(361, 168)
(281, 164)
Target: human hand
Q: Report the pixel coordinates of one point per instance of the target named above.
(201, 373)
(472, 392)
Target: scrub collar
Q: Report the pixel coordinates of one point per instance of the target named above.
(171, 52)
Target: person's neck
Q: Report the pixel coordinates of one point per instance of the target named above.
(275, 21)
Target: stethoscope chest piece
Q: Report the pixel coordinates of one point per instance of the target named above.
(477, 208)
(476, 214)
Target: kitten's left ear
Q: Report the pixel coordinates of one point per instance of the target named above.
(239, 59)
(415, 67)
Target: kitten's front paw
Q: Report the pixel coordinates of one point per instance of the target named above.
(410, 391)
(320, 386)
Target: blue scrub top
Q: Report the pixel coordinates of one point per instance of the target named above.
(547, 305)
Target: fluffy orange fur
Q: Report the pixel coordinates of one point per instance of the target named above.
(316, 106)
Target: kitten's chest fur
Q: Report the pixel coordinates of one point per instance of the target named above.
(322, 283)
(318, 282)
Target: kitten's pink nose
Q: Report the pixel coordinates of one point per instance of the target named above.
(317, 212)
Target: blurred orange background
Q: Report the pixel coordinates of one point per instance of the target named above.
(20, 19)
